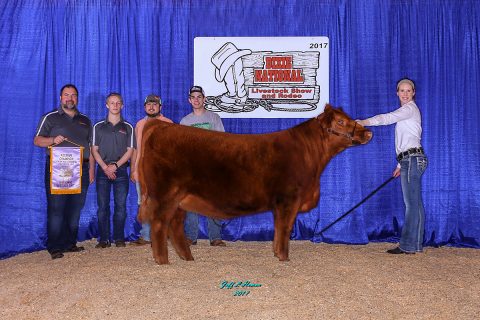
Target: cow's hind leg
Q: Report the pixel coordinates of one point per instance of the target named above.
(176, 233)
(284, 218)
(159, 222)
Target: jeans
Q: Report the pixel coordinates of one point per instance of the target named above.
(412, 169)
(191, 227)
(145, 231)
(120, 192)
(63, 213)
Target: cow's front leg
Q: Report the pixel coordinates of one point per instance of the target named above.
(275, 239)
(278, 226)
(284, 220)
(176, 233)
(280, 242)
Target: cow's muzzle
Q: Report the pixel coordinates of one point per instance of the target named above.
(367, 136)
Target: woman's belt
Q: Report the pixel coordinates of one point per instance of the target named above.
(409, 152)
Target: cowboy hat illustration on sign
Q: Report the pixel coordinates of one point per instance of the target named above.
(229, 70)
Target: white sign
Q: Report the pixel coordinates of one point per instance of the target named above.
(273, 77)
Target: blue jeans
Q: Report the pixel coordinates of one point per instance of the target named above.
(120, 192)
(412, 169)
(145, 231)
(191, 227)
(63, 213)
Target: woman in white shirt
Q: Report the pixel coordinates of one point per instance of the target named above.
(412, 163)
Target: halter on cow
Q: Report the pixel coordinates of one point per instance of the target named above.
(226, 175)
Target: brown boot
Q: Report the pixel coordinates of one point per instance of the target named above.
(217, 243)
(140, 242)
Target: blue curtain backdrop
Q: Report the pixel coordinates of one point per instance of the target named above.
(141, 46)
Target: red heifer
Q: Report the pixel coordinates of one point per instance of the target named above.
(225, 175)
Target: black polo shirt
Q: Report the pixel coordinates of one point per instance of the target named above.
(77, 129)
(113, 140)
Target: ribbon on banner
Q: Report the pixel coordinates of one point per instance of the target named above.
(66, 170)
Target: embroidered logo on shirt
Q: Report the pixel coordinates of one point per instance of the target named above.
(122, 131)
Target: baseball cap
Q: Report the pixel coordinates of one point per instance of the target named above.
(197, 89)
(153, 98)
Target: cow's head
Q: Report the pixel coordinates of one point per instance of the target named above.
(338, 123)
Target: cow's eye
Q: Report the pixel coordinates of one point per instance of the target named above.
(341, 122)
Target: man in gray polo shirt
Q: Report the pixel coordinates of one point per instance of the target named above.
(63, 127)
(113, 145)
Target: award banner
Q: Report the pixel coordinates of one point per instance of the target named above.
(66, 170)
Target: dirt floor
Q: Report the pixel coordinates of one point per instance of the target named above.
(243, 281)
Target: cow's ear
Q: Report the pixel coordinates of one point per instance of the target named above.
(327, 114)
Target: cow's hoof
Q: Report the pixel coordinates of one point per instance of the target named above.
(283, 259)
(161, 261)
(190, 258)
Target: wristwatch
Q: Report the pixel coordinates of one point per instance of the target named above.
(116, 165)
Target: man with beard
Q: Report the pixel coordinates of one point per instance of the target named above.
(112, 146)
(153, 106)
(65, 127)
